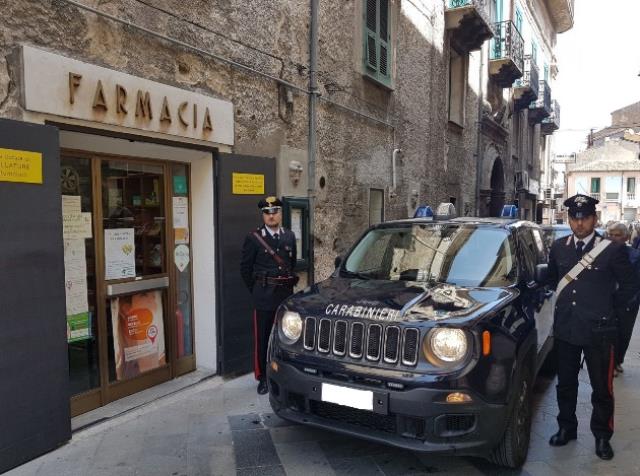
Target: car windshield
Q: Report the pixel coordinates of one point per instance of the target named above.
(465, 255)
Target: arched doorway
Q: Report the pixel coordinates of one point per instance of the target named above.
(497, 188)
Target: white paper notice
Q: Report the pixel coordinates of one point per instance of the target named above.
(180, 212)
(296, 228)
(75, 224)
(75, 277)
(119, 253)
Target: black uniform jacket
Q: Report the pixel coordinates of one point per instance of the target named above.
(257, 263)
(608, 283)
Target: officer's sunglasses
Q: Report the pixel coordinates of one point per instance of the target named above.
(271, 210)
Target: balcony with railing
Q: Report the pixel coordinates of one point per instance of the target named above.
(506, 54)
(561, 12)
(595, 195)
(469, 22)
(631, 196)
(551, 123)
(525, 89)
(541, 108)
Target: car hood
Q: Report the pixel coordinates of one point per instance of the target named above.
(395, 301)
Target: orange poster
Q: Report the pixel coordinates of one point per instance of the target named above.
(138, 333)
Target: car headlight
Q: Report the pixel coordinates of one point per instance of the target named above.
(445, 346)
(291, 325)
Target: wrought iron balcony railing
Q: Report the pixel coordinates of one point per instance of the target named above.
(508, 43)
(541, 108)
(506, 54)
(526, 88)
(552, 123)
(595, 195)
(631, 196)
(470, 22)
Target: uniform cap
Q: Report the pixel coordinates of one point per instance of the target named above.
(581, 206)
(270, 204)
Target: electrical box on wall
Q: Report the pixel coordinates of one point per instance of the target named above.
(292, 170)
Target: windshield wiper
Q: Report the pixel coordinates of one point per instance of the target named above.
(356, 274)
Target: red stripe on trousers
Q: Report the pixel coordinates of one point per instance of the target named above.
(610, 384)
(256, 363)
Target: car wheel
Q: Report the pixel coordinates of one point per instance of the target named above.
(512, 450)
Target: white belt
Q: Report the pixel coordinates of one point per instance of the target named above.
(584, 263)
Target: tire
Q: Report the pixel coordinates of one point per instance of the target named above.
(512, 451)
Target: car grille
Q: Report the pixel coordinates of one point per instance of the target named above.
(374, 341)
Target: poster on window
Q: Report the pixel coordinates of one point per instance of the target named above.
(138, 333)
(120, 253)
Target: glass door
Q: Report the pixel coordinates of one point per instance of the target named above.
(76, 186)
(128, 275)
(134, 217)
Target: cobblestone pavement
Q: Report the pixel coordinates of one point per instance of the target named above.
(223, 428)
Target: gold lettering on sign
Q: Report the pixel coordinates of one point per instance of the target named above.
(206, 125)
(74, 82)
(195, 115)
(143, 105)
(181, 108)
(121, 99)
(165, 114)
(99, 101)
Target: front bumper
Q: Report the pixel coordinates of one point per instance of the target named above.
(418, 419)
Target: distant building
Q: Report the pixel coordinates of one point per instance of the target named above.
(610, 173)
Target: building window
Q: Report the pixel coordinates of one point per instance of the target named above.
(377, 41)
(534, 52)
(518, 20)
(595, 185)
(613, 186)
(376, 206)
(631, 188)
(457, 87)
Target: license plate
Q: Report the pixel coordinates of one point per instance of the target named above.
(350, 397)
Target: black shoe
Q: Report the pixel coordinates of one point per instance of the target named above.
(603, 449)
(262, 387)
(562, 437)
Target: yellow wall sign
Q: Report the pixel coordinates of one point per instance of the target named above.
(20, 166)
(248, 184)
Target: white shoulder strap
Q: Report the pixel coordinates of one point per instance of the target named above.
(584, 263)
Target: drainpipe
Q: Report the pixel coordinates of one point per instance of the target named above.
(313, 100)
(479, 135)
(394, 156)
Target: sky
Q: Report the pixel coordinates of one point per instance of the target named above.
(598, 62)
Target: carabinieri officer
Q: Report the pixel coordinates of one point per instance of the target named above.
(592, 277)
(268, 260)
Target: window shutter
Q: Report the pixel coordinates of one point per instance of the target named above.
(371, 48)
(377, 47)
(384, 38)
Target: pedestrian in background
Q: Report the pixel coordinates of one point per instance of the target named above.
(617, 232)
(592, 277)
(268, 259)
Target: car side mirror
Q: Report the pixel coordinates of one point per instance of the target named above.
(338, 261)
(542, 273)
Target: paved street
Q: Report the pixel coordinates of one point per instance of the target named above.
(223, 428)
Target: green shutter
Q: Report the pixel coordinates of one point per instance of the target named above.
(377, 47)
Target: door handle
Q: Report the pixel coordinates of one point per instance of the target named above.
(548, 294)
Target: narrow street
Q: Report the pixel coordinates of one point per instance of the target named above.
(223, 428)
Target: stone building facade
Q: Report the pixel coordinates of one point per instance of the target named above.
(411, 102)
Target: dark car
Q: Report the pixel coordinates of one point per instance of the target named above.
(428, 336)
